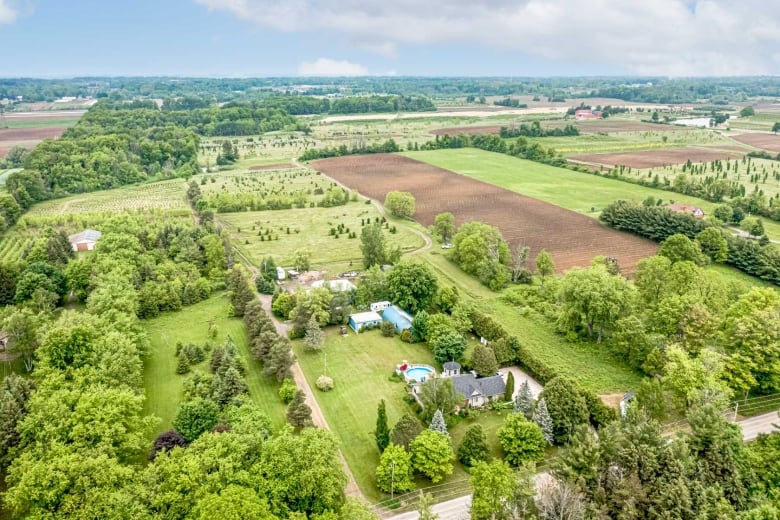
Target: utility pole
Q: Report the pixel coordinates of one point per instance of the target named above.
(392, 478)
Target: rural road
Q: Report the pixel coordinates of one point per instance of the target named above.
(457, 508)
(317, 417)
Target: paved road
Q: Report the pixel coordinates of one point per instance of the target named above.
(457, 508)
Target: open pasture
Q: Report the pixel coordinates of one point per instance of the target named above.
(166, 195)
(769, 142)
(262, 233)
(654, 158)
(573, 239)
(603, 126)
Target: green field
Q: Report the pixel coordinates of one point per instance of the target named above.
(190, 325)
(166, 195)
(41, 123)
(360, 365)
(762, 121)
(310, 229)
(632, 141)
(577, 191)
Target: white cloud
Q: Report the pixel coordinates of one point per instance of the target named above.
(7, 13)
(328, 67)
(666, 37)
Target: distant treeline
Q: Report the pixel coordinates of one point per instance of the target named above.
(659, 223)
(521, 148)
(535, 130)
(389, 146)
(306, 105)
(510, 102)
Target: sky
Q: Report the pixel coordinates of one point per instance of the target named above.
(246, 38)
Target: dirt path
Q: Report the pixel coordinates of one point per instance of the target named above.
(317, 417)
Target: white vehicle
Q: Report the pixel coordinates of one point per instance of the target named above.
(446, 246)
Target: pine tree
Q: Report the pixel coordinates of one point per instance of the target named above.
(510, 387)
(382, 432)
(524, 402)
(543, 419)
(184, 364)
(298, 412)
(313, 338)
(228, 386)
(438, 424)
(473, 448)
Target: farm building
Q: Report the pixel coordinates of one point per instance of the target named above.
(84, 241)
(478, 392)
(334, 285)
(685, 208)
(587, 114)
(397, 317)
(364, 319)
(380, 306)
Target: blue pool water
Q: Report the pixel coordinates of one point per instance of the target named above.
(419, 374)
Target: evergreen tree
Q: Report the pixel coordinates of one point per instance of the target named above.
(405, 431)
(510, 387)
(228, 386)
(524, 402)
(543, 419)
(473, 448)
(298, 412)
(314, 337)
(382, 432)
(184, 363)
(438, 424)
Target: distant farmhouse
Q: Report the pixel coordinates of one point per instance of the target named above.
(587, 114)
(685, 208)
(84, 241)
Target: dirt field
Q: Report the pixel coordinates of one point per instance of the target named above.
(573, 239)
(605, 126)
(654, 158)
(769, 142)
(282, 166)
(27, 137)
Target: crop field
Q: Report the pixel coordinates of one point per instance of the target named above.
(655, 158)
(762, 121)
(27, 137)
(604, 126)
(769, 142)
(573, 239)
(13, 244)
(261, 233)
(164, 195)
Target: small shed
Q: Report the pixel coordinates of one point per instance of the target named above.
(451, 369)
(84, 241)
(380, 306)
(397, 317)
(364, 319)
(280, 274)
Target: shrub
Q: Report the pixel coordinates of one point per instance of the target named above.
(287, 391)
(387, 328)
(406, 336)
(325, 383)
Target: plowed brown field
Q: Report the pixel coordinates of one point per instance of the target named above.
(654, 158)
(572, 238)
(770, 142)
(27, 137)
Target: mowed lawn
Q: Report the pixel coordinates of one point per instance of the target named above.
(190, 325)
(310, 230)
(577, 191)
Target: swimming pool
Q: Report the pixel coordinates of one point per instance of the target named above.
(418, 373)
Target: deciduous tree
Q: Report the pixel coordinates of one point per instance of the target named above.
(394, 473)
(521, 440)
(473, 448)
(432, 455)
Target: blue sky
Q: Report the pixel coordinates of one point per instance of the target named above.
(56, 38)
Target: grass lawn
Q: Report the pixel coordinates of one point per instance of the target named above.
(361, 365)
(190, 325)
(310, 229)
(577, 191)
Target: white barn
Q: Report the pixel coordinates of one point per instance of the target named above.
(364, 319)
(84, 241)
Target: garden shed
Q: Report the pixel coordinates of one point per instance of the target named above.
(400, 319)
(364, 319)
(84, 241)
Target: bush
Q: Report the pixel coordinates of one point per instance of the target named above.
(325, 383)
(287, 391)
(388, 329)
(406, 336)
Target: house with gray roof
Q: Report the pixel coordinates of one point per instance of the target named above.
(479, 391)
(84, 241)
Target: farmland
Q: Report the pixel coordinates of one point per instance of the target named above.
(261, 233)
(769, 142)
(164, 195)
(27, 129)
(654, 158)
(572, 239)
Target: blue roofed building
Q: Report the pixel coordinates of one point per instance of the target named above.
(400, 319)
